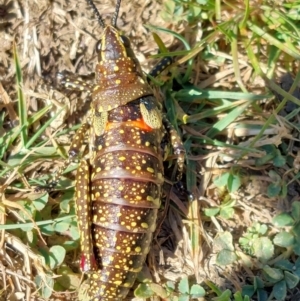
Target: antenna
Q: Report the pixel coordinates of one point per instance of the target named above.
(96, 12)
(115, 17)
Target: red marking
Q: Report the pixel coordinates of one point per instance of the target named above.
(140, 123)
(86, 264)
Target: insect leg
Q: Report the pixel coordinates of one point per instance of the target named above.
(74, 151)
(72, 82)
(160, 66)
(83, 211)
(177, 145)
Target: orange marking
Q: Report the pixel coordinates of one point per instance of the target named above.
(140, 123)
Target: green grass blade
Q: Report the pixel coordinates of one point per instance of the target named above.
(287, 48)
(45, 125)
(39, 223)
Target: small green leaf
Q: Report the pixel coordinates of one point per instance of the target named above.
(283, 220)
(261, 228)
(238, 297)
(65, 206)
(263, 248)
(296, 211)
(41, 202)
(211, 211)
(30, 236)
(183, 285)
(273, 190)
(226, 212)
(279, 161)
(296, 247)
(170, 286)
(226, 257)
(234, 183)
(258, 283)
(284, 239)
(248, 290)
(158, 290)
(61, 227)
(47, 229)
(296, 231)
(262, 295)
(296, 267)
(71, 245)
(197, 291)
(45, 285)
(222, 180)
(279, 290)
(74, 232)
(56, 256)
(224, 241)
(284, 264)
(274, 176)
(68, 279)
(169, 6)
(143, 291)
(291, 279)
(272, 275)
(297, 263)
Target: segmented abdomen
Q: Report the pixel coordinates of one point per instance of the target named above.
(126, 179)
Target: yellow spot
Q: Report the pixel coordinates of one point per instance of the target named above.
(150, 169)
(122, 158)
(116, 68)
(138, 249)
(144, 225)
(118, 81)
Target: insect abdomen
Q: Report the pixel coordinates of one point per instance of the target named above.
(126, 180)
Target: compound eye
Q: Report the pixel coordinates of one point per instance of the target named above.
(98, 46)
(125, 41)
